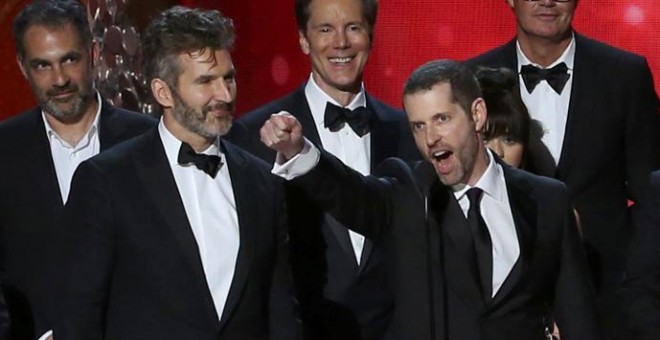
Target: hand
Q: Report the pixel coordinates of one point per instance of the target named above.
(283, 133)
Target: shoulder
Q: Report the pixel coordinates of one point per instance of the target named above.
(614, 56)
(503, 55)
(128, 119)
(253, 120)
(17, 124)
(383, 110)
(540, 187)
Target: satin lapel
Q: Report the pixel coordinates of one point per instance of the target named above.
(304, 115)
(248, 192)
(523, 208)
(582, 94)
(460, 272)
(108, 133)
(340, 232)
(154, 171)
(40, 160)
(510, 56)
(384, 133)
(384, 144)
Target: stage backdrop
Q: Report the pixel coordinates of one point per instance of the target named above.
(408, 33)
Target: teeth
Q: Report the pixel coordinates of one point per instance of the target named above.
(340, 60)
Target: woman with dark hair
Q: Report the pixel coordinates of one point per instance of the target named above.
(507, 131)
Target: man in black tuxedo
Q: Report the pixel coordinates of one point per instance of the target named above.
(177, 234)
(642, 285)
(41, 149)
(599, 111)
(341, 277)
(479, 250)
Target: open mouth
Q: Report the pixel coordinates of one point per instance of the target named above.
(441, 155)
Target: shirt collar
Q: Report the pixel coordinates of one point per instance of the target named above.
(317, 100)
(568, 56)
(93, 129)
(491, 182)
(171, 144)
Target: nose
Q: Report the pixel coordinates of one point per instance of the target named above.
(60, 78)
(223, 91)
(497, 147)
(547, 2)
(432, 136)
(341, 40)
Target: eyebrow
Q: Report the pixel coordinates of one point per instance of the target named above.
(69, 55)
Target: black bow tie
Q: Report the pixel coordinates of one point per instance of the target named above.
(207, 163)
(357, 119)
(556, 76)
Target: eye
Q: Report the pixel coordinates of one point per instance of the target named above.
(443, 118)
(41, 66)
(509, 140)
(417, 126)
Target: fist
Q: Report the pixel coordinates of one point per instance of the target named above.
(282, 132)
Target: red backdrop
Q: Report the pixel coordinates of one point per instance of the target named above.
(408, 33)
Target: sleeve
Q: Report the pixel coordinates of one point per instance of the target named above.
(641, 288)
(575, 301)
(361, 203)
(284, 321)
(642, 135)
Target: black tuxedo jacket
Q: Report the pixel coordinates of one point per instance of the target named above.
(339, 299)
(437, 295)
(610, 145)
(30, 208)
(642, 285)
(134, 266)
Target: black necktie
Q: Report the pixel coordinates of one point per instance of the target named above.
(556, 76)
(482, 242)
(207, 163)
(357, 119)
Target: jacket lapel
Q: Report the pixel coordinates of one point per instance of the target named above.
(109, 134)
(41, 164)
(459, 263)
(523, 209)
(303, 113)
(246, 192)
(581, 96)
(154, 171)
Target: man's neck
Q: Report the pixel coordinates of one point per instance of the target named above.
(543, 51)
(72, 130)
(342, 96)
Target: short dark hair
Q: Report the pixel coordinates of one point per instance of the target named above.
(464, 86)
(52, 14)
(507, 113)
(369, 12)
(182, 30)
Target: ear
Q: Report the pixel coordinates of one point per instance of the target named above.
(95, 53)
(162, 93)
(20, 66)
(510, 3)
(304, 44)
(479, 114)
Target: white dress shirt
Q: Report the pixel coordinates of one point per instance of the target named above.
(211, 209)
(495, 207)
(545, 105)
(496, 212)
(345, 144)
(66, 157)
